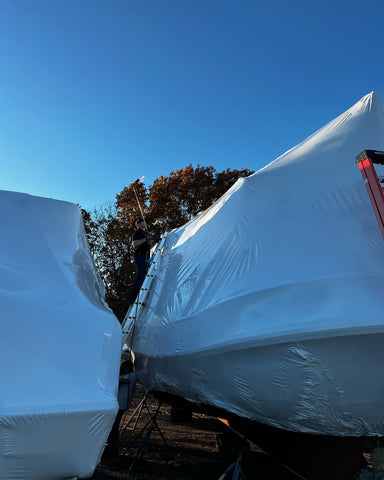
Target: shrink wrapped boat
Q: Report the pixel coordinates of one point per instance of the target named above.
(59, 346)
(269, 304)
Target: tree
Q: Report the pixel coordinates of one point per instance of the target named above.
(174, 200)
(179, 197)
(169, 203)
(112, 252)
(132, 203)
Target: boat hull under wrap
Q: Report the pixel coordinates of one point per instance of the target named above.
(318, 386)
(59, 345)
(270, 303)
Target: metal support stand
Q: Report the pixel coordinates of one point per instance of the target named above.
(145, 432)
(236, 469)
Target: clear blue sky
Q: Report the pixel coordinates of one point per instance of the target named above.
(97, 93)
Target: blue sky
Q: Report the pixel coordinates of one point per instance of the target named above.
(97, 93)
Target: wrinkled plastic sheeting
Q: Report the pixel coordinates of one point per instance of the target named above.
(59, 347)
(291, 254)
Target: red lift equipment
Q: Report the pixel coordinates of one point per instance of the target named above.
(366, 161)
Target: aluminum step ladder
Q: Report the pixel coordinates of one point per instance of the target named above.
(136, 308)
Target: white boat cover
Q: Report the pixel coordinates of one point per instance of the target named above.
(270, 303)
(59, 344)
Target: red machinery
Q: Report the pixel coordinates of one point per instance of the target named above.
(366, 161)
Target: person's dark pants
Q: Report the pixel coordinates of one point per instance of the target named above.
(141, 271)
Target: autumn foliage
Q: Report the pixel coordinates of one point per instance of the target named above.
(169, 203)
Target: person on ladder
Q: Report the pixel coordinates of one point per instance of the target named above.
(140, 242)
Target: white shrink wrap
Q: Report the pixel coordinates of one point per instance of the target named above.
(270, 304)
(59, 344)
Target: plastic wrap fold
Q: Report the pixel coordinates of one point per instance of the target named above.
(59, 344)
(270, 303)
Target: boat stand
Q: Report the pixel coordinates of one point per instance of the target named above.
(141, 439)
(236, 470)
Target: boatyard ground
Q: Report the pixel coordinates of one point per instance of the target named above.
(191, 451)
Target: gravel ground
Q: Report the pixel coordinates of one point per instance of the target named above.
(190, 452)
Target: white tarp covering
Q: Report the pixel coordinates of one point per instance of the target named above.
(270, 304)
(59, 344)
